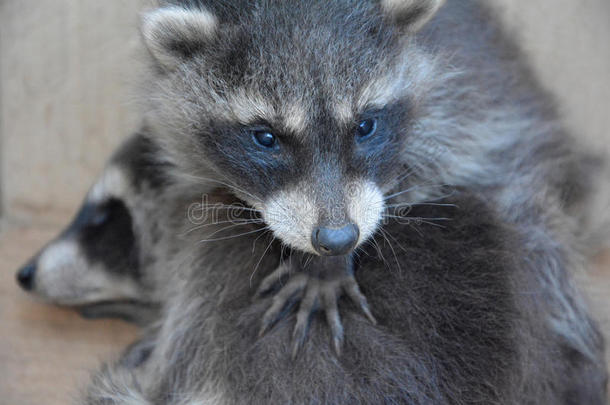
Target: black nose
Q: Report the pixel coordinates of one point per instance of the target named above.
(25, 276)
(335, 242)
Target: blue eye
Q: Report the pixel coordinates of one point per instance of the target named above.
(367, 128)
(100, 218)
(265, 139)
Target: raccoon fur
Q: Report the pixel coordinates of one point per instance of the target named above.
(453, 106)
(321, 114)
(461, 320)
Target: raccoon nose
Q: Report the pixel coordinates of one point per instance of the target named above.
(25, 276)
(335, 242)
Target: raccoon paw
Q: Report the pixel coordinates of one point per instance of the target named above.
(314, 294)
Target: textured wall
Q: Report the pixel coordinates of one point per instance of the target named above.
(65, 101)
(567, 41)
(65, 68)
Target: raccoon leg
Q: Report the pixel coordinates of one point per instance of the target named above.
(306, 308)
(293, 289)
(274, 278)
(320, 288)
(328, 293)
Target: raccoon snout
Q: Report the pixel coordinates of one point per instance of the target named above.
(25, 276)
(335, 242)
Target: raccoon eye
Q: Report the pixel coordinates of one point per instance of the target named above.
(366, 129)
(100, 218)
(265, 139)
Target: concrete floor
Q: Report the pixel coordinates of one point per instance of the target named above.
(47, 353)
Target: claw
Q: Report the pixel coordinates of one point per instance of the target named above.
(295, 286)
(354, 293)
(307, 307)
(313, 293)
(338, 344)
(329, 298)
(272, 279)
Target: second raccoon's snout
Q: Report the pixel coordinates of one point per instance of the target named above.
(25, 276)
(335, 242)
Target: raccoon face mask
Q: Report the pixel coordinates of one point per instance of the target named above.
(307, 122)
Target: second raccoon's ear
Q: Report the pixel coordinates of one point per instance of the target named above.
(412, 14)
(173, 34)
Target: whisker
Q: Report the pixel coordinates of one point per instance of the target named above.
(418, 186)
(236, 222)
(229, 207)
(423, 220)
(232, 236)
(260, 260)
(395, 240)
(405, 176)
(433, 224)
(267, 230)
(416, 229)
(379, 252)
(418, 219)
(430, 204)
(363, 251)
(383, 233)
(308, 261)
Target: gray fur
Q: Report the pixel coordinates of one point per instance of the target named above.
(482, 312)
(463, 323)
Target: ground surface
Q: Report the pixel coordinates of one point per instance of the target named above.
(47, 353)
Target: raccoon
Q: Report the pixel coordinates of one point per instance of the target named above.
(322, 116)
(325, 117)
(104, 262)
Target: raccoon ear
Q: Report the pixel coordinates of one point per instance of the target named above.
(412, 14)
(173, 34)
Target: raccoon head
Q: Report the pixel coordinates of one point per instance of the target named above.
(95, 263)
(302, 108)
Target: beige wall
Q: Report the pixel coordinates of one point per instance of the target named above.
(569, 44)
(65, 97)
(66, 65)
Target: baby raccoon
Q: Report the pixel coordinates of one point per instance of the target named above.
(312, 141)
(104, 262)
(326, 116)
